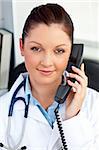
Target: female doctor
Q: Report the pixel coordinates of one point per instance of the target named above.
(27, 112)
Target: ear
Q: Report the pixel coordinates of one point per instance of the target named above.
(21, 46)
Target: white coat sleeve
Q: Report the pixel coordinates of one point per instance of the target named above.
(82, 131)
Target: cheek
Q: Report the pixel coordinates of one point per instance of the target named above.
(63, 61)
(30, 62)
(62, 64)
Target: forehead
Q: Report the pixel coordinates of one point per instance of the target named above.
(48, 33)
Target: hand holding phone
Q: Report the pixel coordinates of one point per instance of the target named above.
(74, 60)
(75, 98)
(77, 80)
(78, 92)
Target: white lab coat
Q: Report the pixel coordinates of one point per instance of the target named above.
(81, 131)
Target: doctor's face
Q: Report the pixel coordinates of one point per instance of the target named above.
(46, 51)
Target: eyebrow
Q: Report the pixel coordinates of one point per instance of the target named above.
(35, 42)
(42, 45)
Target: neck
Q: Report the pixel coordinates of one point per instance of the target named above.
(44, 93)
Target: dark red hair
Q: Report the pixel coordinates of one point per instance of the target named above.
(48, 14)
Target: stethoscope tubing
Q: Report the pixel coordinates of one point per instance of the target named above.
(10, 140)
(15, 99)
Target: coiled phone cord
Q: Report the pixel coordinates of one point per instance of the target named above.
(59, 123)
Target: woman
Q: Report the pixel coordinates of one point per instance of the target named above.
(46, 45)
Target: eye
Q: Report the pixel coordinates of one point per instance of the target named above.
(59, 51)
(36, 49)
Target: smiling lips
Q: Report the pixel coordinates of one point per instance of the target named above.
(45, 72)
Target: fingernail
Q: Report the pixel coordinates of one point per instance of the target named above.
(73, 67)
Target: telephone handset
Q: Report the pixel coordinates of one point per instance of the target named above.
(63, 90)
(74, 60)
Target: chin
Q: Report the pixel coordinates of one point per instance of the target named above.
(48, 81)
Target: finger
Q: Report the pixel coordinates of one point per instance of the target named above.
(76, 87)
(82, 67)
(82, 80)
(78, 71)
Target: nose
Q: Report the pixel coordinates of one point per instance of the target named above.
(47, 60)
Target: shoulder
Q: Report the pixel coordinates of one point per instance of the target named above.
(92, 97)
(5, 100)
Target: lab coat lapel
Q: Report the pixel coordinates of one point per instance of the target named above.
(55, 142)
(35, 113)
(55, 139)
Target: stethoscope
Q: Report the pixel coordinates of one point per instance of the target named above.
(10, 141)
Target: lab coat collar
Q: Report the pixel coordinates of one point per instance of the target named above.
(21, 77)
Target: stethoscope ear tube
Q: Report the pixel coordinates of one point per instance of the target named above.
(14, 98)
(3, 146)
